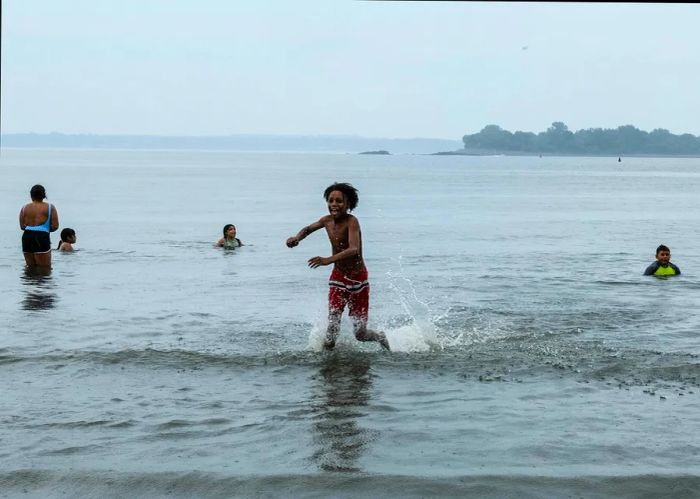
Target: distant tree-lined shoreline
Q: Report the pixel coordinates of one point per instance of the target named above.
(558, 139)
(492, 139)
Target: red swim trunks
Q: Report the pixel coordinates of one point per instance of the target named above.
(353, 290)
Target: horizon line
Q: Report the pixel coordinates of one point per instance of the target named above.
(296, 135)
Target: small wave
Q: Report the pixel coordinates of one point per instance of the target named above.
(182, 423)
(618, 283)
(9, 359)
(179, 359)
(471, 354)
(85, 424)
(348, 484)
(67, 451)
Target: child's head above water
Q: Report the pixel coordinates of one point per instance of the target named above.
(68, 235)
(229, 240)
(348, 191)
(663, 254)
(229, 231)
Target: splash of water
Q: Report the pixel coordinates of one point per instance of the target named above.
(418, 336)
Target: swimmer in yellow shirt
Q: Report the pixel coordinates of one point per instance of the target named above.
(662, 266)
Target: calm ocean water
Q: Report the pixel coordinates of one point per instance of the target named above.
(530, 356)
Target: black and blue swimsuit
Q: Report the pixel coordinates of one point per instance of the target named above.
(36, 237)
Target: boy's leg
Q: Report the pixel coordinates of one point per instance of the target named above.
(333, 328)
(337, 298)
(358, 306)
(362, 333)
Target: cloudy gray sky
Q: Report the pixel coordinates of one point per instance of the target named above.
(384, 69)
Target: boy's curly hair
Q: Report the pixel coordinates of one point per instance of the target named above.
(348, 191)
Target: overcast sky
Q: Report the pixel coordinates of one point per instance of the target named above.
(378, 69)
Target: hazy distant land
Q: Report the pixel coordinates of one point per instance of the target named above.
(491, 140)
(281, 143)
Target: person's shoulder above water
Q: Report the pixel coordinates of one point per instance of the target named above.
(651, 268)
(232, 243)
(657, 269)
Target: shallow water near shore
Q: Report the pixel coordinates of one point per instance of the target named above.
(530, 356)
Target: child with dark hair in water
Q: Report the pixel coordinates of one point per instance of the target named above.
(349, 280)
(662, 266)
(229, 241)
(67, 241)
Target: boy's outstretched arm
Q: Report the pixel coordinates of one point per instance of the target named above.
(295, 240)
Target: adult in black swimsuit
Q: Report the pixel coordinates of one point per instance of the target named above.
(37, 219)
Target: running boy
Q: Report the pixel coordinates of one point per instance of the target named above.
(662, 266)
(349, 280)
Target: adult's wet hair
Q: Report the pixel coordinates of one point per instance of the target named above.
(38, 193)
(65, 234)
(348, 191)
(662, 248)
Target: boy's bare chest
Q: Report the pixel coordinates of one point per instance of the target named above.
(338, 234)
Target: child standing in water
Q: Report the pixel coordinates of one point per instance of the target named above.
(229, 241)
(67, 240)
(348, 282)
